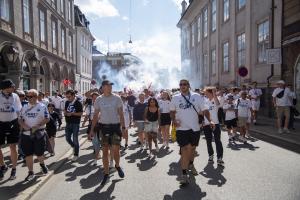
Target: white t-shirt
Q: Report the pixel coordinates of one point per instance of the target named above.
(9, 107)
(221, 100)
(56, 101)
(213, 110)
(243, 106)
(254, 93)
(164, 106)
(32, 115)
(45, 102)
(89, 111)
(285, 100)
(229, 114)
(185, 112)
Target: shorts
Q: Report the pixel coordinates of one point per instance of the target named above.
(151, 127)
(140, 126)
(51, 133)
(9, 132)
(33, 146)
(255, 105)
(283, 111)
(165, 119)
(187, 137)
(242, 121)
(231, 123)
(110, 134)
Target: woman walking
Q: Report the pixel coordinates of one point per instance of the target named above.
(165, 118)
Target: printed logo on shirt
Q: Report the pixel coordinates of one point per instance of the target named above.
(71, 109)
(7, 107)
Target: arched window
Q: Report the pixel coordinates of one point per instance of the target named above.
(42, 72)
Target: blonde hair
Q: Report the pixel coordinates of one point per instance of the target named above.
(33, 91)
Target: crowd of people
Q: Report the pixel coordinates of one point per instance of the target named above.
(29, 121)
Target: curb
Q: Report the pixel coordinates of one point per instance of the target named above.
(276, 137)
(29, 192)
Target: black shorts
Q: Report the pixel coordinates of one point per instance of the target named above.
(9, 132)
(187, 137)
(231, 123)
(51, 133)
(165, 119)
(110, 134)
(32, 146)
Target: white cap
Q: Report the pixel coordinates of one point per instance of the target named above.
(281, 82)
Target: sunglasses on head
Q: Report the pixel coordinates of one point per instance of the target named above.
(30, 97)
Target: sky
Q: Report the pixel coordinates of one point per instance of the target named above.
(151, 24)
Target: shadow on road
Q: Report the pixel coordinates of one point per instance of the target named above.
(238, 146)
(135, 156)
(147, 164)
(107, 194)
(214, 175)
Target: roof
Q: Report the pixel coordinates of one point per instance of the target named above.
(183, 14)
(96, 51)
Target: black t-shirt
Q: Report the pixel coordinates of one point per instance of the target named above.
(51, 125)
(131, 100)
(76, 107)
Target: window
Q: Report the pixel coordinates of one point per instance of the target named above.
(70, 46)
(241, 50)
(188, 39)
(213, 15)
(54, 34)
(62, 7)
(42, 26)
(26, 16)
(263, 41)
(5, 10)
(205, 24)
(53, 3)
(193, 34)
(205, 65)
(82, 40)
(225, 10)
(70, 11)
(213, 62)
(63, 40)
(199, 28)
(226, 57)
(241, 4)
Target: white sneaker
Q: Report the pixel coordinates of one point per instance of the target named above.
(280, 131)
(74, 158)
(286, 130)
(95, 162)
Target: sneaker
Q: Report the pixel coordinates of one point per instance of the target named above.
(30, 176)
(74, 158)
(95, 163)
(44, 168)
(193, 169)
(286, 130)
(4, 168)
(280, 131)
(211, 159)
(157, 149)
(220, 162)
(13, 174)
(104, 180)
(184, 180)
(120, 172)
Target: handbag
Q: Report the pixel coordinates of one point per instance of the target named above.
(200, 117)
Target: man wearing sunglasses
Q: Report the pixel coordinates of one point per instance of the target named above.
(10, 107)
(33, 120)
(185, 108)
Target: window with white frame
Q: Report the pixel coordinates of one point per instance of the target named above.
(70, 46)
(205, 65)
(193, 34)
(213, 15)
(225, 57)
(54, 34)
(199, 28)
(70, 11)
(226, 10)
(241, 4)
(62, 7)
(26, 16)
(42, 26)
(188, 39)
(5, 10)
(63, 40)
(205, 22)
(263, 41)
(213, 62)
(241, 50)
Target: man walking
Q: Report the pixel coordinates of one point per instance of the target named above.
(185, 109)
(10, 107)
(73, 112)
(56, 100)
(112, 119)
(255, 94)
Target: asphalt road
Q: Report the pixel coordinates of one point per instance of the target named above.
(256, 171)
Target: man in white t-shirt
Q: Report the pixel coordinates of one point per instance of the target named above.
(33, 120)
(57, 101)
(185, 108)
(281, 100)
(255, 94)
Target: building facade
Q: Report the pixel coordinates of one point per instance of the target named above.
(37, 44)
(84, 41)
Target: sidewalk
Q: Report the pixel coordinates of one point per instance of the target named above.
(18, 188)
(267, 127)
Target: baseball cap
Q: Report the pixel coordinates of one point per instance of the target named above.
(106, 82)
(7, 83)
(280, 82)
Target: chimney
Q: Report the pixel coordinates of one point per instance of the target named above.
(183, 6)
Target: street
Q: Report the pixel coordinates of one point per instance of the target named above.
(255, 171)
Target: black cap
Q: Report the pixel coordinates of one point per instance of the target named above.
(7, 83)
(106, 82)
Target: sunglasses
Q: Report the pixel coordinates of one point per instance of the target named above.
(30, 97)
